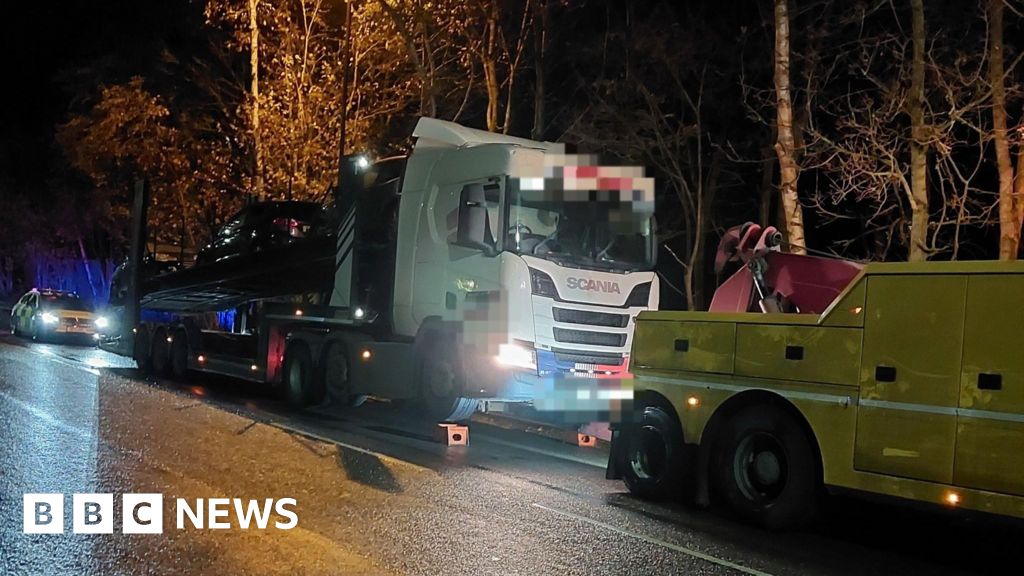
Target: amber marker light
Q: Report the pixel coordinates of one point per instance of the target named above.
(693, 401)
(952, 498)
(200, 358)
(857, 310)
(298, 312)
(366, 354)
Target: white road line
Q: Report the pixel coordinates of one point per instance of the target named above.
(657, 542)
(541, 451)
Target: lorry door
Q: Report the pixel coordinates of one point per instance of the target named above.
(910, 375)
(990, 425)
(472, 276)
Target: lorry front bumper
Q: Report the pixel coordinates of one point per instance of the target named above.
(590, 393)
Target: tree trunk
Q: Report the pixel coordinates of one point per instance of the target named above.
(489, 58)
(540, 31)
(428, 102)
(1009, 225)
(918, 142)
(346, 67)
(1018, 190)
(254, 64)
(785, 145)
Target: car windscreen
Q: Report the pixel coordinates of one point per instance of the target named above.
(64, 302)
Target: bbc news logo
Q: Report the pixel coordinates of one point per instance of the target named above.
(144, 513)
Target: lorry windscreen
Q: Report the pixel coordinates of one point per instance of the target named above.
(597, 234)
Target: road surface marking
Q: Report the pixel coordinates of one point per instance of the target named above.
(598, 464)
(657, 542)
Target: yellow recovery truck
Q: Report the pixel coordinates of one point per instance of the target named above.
(811, 374)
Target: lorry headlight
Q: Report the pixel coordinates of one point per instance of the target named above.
(516, 356)
(49, 318)
(640, 295)
(102, 322)
(542, 284)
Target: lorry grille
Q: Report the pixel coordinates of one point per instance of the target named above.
(592, 318)
(586, 337)
(595, 358)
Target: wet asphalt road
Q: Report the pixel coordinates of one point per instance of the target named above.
(376, 495)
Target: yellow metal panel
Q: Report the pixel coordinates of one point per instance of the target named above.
(990, 451)
(848, 309)
(692, 346)
(910, 375)
(802, 353)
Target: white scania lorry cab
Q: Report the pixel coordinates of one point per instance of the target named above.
(480, 266)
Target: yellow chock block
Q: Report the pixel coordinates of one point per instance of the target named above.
(452, 434)
(586, 440)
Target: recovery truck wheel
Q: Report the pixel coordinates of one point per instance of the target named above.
(442, 380)
(140, 349)
(160, 354)
(765, 469)
(336, 382)
(655, 463)
(179, 355)
(298, 376)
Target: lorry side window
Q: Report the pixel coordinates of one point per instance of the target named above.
(491, 202)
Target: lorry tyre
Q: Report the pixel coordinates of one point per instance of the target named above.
(160, 354)
(298, 375)
(336, 376)
(179, 355)
(442, 380)
(765, 469)
(140, 349)
(655, 462)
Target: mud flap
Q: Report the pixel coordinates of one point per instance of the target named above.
(616, 455)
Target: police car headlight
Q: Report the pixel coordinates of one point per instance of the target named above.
(102, 322)
(49, 318)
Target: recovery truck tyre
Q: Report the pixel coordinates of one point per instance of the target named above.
(179, 355)
(655, 463)
(764, 468)
(298, 377)
(140, 349)
(336, 382)
(441, 380)
(160, 353)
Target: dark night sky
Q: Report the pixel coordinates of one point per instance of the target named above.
(45, 42)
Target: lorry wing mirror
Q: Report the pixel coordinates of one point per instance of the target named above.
(474, 229)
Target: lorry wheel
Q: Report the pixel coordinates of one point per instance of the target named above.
(337, 383)
(655, 463)
(160, 355)
(441, 381)
(140, 350)
(179, 355)
(298, 375)
(765, 469)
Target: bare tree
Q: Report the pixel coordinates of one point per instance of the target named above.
(254, 71)
(918, 140)
(785, 146)
(1011, 189)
